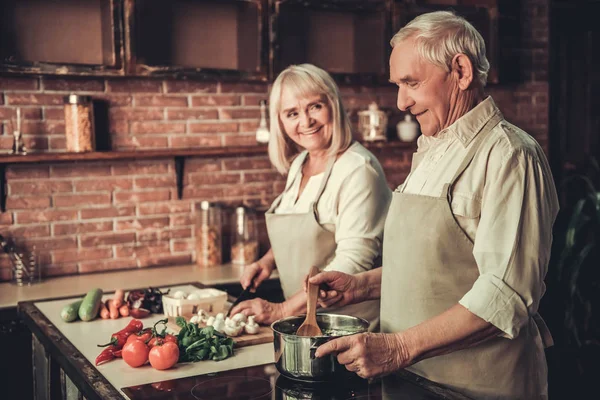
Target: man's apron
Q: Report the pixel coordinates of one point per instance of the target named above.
(299, 242)
(428, 265)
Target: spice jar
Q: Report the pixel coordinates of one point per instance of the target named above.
(372, 123)
(79, 123)
(208, 235)
(244, 244)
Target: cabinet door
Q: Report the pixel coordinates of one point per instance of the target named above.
(61, 37)
(349, 39)
(201, 38)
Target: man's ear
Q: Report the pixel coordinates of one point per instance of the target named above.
(462, 66)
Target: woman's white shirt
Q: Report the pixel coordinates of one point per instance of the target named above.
(354, 205)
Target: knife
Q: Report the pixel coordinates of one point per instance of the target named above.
(245, 295)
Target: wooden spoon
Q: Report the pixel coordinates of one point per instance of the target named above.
(309, 327)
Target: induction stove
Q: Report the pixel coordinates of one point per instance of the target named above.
(264, 382)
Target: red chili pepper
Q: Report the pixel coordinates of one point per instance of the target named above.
(106, 355)
(120, 338)
(134, 326)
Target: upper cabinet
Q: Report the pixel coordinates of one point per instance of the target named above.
(220, 39)
(349, 39)
(62, 37)
(203, 38)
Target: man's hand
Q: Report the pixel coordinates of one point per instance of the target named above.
(265, 312)
(254, 274)
(369, 355)
(337, 289)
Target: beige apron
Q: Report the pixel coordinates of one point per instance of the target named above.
(299, 242)
(428, 265)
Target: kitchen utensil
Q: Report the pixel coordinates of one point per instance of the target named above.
(295, 355)
(310, 327)
(245, 295)
(262, 133)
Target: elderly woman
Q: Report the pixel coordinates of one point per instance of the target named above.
(467, 236)
(332, 211)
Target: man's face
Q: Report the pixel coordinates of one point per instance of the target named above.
(424, 89)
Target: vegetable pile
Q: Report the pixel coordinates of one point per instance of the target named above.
(143, 302)
(197, 344)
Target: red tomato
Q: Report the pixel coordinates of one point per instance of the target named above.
(164, 356)
(155, 341)
(170, 338)
(135, 353)
(144, 336)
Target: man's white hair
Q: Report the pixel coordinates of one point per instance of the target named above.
(440, 35)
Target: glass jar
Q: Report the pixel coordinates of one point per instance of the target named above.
(79, 123)
(208, 235)
(244, 243)
(372, 123)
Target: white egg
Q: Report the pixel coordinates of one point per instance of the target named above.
(180, 294)
(194, 296)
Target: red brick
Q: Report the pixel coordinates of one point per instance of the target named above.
(214, 179)
(190, 87)
(262, 176)
(254, 99)
(28, 217)
(34, 99)
(31, 113)
(59, 270)
(53, 244)
(39, 187)
(240, 113)
(108, 265)
(81, 227)
(205, 166)
(154, 260)
(31, 231)
(54, 113)
(249, 126)
(162, 236)
(29, 171)
(235, 164)
(148, 168)
(215, 100)
(143, 250)
(81, 199)
(193, 192)
(73, 84)
(195, 141)
(27, 202)
(244, 88)
(160, 101)
(107, 239)
(6, 218)
(142, 197)
(19, 83)
(114, 100)
(240, 140)
(142, 224)
(180, 246)
(45, 127)
(190, 114)
(131, 85)
(107, 212)
(164, 208)
(140, 142)
(182, 220)
(60, 256)
(136, 114)
(109, 184)
(84, 170)
(5, 274)
(154, 182)
(35, 143)
(6, 142)
(156, 128)
(213, 127)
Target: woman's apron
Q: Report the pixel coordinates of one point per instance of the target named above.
(299, 242)
(428, 265)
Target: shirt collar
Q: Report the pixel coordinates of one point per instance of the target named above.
(466, 128)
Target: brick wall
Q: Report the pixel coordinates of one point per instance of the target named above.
(94, 216)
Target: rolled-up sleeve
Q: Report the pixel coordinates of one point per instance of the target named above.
(513, 242)
(362, 206)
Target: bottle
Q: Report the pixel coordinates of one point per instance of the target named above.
(372, 123)
(407, 130)
(244, 244)
(262, 133)
(208, 235)
(79, 123)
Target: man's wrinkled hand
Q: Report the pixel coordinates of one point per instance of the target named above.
(264, 312)
(336, 289)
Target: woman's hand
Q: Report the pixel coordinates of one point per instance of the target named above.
(264, 312)
(255, 273)
(337, 288)
(369, 355)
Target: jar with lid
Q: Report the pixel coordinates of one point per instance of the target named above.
(244, 243)
(372, 123)
(208, 235)
(79, 123)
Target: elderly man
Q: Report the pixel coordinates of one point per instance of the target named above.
(467, 237)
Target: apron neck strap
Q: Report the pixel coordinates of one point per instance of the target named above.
(326, 176)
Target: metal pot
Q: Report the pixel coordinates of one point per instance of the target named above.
(295, 355)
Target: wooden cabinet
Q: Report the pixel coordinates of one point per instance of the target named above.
(64, 37)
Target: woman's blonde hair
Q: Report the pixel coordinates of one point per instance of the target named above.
(305, 80)
(440, 35)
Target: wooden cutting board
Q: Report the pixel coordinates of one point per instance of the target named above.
(264, 335)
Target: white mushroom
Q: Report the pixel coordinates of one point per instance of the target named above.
(221, 316)
(219, 325)
(210, 321)
(239, 317)
(195, 319)
(234, 330)
(202, 315)
(251, 327)
(231, 323)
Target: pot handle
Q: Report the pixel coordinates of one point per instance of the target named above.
(313, 349)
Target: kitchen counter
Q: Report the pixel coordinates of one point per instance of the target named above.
(64, 356)
(68, 286)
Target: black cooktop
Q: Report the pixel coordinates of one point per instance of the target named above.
(263, 382)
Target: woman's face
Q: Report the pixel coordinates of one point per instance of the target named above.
(306, 120)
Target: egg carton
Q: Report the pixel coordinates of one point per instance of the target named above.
(209, 300)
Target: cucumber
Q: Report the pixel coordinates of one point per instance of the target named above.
(70, 311)
(88, 310)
